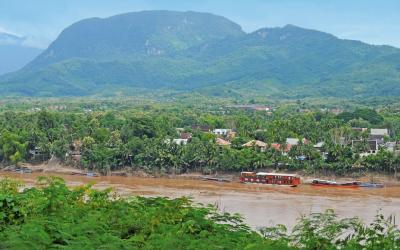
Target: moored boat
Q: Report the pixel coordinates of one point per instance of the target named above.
(325, 183)
(270, 178)
(220, 179)
(371, 185)
(92, 174)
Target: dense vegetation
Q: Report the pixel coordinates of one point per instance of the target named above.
(140, 139)
(51, 216)
(172, 52)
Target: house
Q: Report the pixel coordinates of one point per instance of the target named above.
(379, 135)
(203, 128)
(295, 141)
(292, 141)
(180, 141)
(222, 131)
(222, 142)
(256, 143)
(36, 152)
(278, 147)
(336, 111)
(319, 146)
(186, 135)
(379, 131)
(371, 146)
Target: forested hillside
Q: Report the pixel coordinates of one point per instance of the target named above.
(175, 52)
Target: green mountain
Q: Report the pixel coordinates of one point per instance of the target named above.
(179, 52)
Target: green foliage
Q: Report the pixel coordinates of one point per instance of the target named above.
(369, 115)
(54, 216)
(13, 147)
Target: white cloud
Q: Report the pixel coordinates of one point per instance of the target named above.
(6, 38)
(4, 30)
(13, 38)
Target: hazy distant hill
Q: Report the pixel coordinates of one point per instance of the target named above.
(189, 51)
(13, 54)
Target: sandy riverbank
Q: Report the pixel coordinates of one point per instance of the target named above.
(54, 166)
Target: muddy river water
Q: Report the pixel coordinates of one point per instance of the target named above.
(259, 204)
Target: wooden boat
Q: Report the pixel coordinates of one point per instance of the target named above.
(92, 174)
(23, 170)
(270, 178)
(371, 185)
(220, 179)
(324, 183)
(88, 174)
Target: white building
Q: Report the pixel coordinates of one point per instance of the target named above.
(222, 131)
(292, 141)
(180, 141)
(379, 131)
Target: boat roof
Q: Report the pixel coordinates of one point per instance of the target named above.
(277, 174)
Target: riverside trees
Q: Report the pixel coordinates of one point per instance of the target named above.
(142, 139)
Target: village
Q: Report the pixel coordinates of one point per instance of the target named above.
(370, 142)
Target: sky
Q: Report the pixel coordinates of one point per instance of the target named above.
(371, 21)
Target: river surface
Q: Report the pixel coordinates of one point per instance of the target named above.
(260, 205)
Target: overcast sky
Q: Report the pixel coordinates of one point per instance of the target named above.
(371, 21)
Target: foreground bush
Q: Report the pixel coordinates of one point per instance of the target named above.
(52, 216)
(55, 217)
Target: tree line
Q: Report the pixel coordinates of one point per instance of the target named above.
(140, 139)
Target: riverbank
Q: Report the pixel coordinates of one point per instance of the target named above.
(54, 166)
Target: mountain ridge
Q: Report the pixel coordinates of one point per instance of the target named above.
(131, 34)
(206, 53)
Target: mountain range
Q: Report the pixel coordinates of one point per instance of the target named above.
(180, 52)
(14, 54)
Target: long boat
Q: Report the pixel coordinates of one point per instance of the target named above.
(270, 178)
(324, 183)
(220, 179)
(371, 185)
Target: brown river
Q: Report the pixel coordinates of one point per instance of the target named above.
(259, 204)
